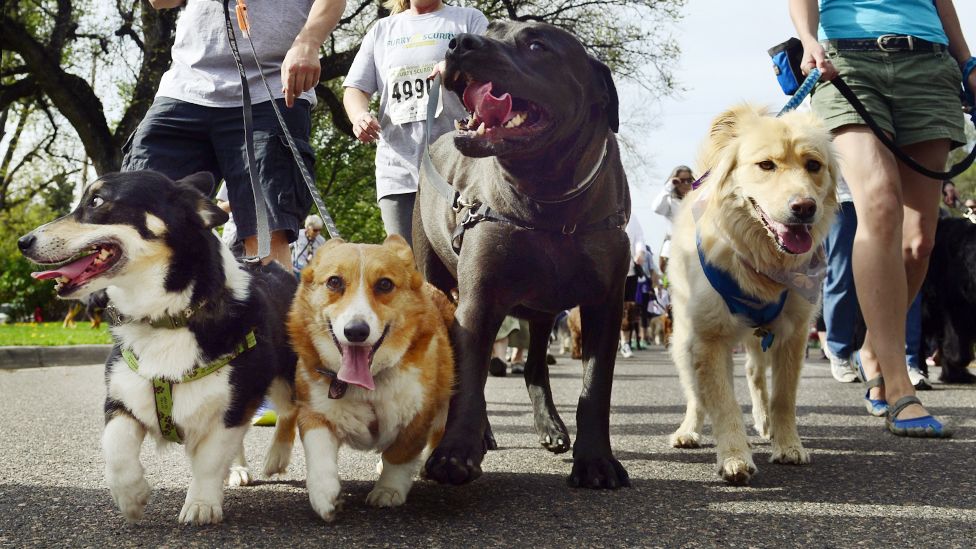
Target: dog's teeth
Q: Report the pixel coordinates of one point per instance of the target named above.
(457, 124)
(62, 279)
(481, 129)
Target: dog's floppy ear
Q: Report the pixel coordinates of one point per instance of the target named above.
(608, 93)
(725, 128)
(203, 183)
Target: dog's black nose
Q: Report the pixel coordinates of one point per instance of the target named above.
(356, 331)
(465, 41)
(803, 208)
(26, 241)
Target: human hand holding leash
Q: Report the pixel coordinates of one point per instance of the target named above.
(300, 70)
(814, 56)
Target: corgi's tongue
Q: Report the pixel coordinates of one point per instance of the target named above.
(493, 111)
(71, 270)
(795, 238)
(355, 366)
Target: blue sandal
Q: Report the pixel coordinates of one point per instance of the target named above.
(919, 427)
(875, 406)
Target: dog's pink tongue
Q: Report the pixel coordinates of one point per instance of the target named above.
(795, 238)
(71, 270)
(355, 367)
(493, 111)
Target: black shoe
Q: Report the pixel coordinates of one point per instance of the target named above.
(497, 367)
(518, 368)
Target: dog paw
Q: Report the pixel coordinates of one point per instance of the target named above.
(553, 435)
(324, 504)
(598, 473)
(276, 462)
(685, 440)
(131, 500)
(737, 470)
(455, 462)
(384, 496)
(794, 454)
(198, 512)
(238, 476)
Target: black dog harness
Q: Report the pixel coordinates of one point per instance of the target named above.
(477, 211)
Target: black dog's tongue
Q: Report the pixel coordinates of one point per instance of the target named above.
(493, 111)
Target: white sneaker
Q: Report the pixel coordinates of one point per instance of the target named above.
(625, 350)
(918, 379)
(842, 370)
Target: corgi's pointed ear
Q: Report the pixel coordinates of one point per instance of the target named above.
(201, 181)
(400, 247)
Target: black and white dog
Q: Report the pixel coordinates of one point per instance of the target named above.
(192, 326)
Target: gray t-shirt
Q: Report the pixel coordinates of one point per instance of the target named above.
(395, 58)
(203, 70)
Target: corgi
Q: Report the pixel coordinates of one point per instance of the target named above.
(375, 366)
(199, 338)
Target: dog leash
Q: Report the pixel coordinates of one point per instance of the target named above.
(257, 190)
(851, 98)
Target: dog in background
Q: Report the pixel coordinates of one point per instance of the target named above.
(949, 298)
(199, 338)
(375, 366)
(760, 217)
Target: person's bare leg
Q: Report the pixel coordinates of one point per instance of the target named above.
(921, 216)
(871, 171)
(280, 251)
(875, 179)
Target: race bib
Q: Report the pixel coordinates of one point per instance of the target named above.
(408, 87)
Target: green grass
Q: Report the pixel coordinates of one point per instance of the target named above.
(51, 333)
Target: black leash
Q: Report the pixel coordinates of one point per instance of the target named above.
(851, 98)
(264, 246)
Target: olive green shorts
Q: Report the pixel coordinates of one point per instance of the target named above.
(912, 95)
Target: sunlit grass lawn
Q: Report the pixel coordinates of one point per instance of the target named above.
(51, 333)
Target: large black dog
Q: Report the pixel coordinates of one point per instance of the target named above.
(538, 228)
(949, 298)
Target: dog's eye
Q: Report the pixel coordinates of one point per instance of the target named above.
(767, 165)
(335, 283)
(96, 201)
(384, 286)
(536, 45)
(813, 166)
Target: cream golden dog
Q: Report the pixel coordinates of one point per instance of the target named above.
(375, 366)
(757, 223)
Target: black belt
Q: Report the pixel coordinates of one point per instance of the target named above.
(887, 43)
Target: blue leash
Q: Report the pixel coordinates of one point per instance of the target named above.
(801, 93)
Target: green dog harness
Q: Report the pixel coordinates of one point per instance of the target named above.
(163, 388)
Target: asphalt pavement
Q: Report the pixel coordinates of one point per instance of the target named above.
(863, 488)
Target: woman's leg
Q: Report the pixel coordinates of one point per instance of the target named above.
(880, 271)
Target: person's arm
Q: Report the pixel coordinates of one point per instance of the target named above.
(165, 4)
(364, 124)
(806, 18)
(661, 204)
(957, 42)
(301, 70)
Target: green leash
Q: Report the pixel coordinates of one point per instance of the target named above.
(163, 388)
